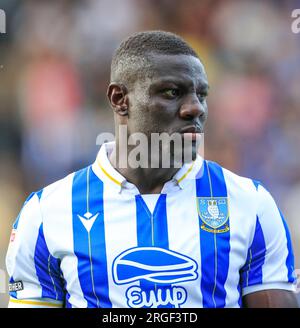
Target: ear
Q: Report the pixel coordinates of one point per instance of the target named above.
(118, 97)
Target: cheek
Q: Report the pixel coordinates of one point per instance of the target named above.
(151, 115)
(163, 110)
(161, 115)
(140, 119)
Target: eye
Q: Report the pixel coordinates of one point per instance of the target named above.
(202, 96)
(171, 93)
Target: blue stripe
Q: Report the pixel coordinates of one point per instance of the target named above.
(251, 273)
(39, 193)
(89, 247)
(144, 233)
(143, 216)
(290, 257)
(156, 235)
(15, 225)
(160, 223)
(206, 245)
(213, 295)
(68, 305)
(223, 239)
(47, 269)
(240, 301)
(144, 223)
(161, 234)
(81, 249)
(256, 184)
(98, 244)
(259, 183)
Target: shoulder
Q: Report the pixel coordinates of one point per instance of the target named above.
(247, 193)
(234, 183)
(58, 191)
(250, 193)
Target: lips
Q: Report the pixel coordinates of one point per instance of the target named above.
(191, 129)
(191, 132)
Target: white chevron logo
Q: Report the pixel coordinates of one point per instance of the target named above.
(88, 220)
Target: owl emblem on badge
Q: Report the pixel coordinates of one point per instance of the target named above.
(213, 209)
(213, 213)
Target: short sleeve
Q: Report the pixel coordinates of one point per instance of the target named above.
(35, 276)
(270, 260)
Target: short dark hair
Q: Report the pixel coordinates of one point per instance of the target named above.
(133, 53)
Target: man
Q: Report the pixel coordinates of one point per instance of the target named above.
(115, 235)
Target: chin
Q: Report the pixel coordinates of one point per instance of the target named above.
(194, 155)
(191, 154)
(179, 162)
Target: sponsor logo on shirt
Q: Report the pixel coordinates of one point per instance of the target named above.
(15, 286)
(88, 220)
(161, 267)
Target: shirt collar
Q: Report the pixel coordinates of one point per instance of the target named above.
(188, 172)
(106, 172)
(104, 169)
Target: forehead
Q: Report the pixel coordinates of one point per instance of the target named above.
(177, 67)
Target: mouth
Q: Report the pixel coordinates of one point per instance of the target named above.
(191, 132)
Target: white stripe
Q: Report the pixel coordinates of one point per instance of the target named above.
(120, 235)
(274, 268)
(58, 230)
(22, 252)
(242, 215)
(184, 236)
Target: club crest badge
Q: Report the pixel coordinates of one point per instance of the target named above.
(213, 213)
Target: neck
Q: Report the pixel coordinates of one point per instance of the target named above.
(147, 180)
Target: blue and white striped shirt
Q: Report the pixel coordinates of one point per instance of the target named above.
(92, 240)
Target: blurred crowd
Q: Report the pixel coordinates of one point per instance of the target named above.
(54, 69)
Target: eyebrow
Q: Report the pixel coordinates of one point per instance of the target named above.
(203, 84)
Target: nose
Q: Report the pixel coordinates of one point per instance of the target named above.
(192, 108)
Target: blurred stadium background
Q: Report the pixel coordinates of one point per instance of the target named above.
(54, 69)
